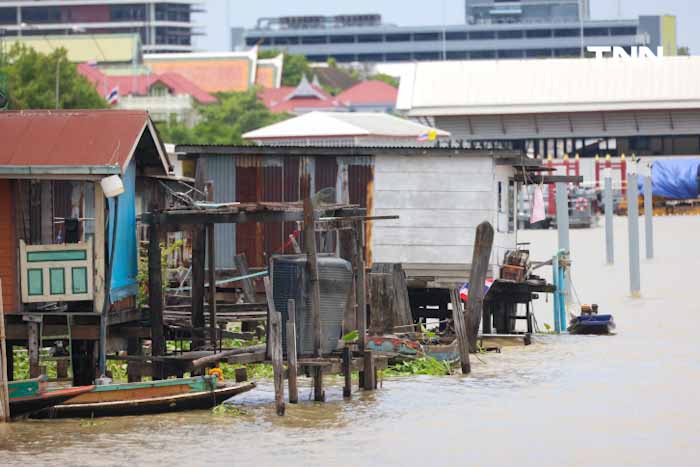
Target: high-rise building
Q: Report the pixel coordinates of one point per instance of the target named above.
(525, 11)
(164, 26)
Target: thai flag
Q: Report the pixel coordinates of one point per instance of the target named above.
(423, 137)
(113, 96)
(464, 290)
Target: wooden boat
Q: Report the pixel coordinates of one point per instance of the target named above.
(31, 395)
(170, 395)
(592, 324)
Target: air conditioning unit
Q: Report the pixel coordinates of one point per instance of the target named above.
(290, 280)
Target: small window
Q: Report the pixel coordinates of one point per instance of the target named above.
(456, 36)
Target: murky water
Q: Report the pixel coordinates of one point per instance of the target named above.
(629, 399)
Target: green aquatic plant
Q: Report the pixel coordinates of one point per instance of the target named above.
(255, 370)
(228, 410)
(351, 336)
(420, 366)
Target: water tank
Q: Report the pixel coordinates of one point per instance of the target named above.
(290, 279)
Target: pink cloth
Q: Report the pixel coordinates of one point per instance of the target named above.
(537, 212)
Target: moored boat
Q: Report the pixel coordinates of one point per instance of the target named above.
(170, 395)
(31, 395)
(592, 324)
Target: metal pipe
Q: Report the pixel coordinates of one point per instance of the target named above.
(608, 203)
(633, 230)
(557, 286)
(562, 199)
(648, 215)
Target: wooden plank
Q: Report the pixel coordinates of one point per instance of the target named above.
(312, 263)
(225, 355)
(275, 336)
(248, 287)
(4, 361)
(480, 265)
(292, 352)
(461, 331)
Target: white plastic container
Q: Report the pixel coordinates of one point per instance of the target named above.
(112, 186)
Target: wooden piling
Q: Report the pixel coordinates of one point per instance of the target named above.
(483, 243)
(241, 374)
(211, 260)
(312, 263)
(33, 349)
(248, 287)
(370, 381)
(4, 390)
(274, 338)
(361, 283)
(198, 255)
(460, 331)
(133, 371)
(292, 352)
(155, 297)
(347, 371)
(319, 393)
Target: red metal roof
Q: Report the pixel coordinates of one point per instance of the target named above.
(139, 85)
(277, 100)
(73, 138)
(369, 92)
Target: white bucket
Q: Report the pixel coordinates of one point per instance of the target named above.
(112, 186)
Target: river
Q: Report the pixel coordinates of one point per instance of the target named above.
(628, 399)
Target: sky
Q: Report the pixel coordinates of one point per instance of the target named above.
(245, 13)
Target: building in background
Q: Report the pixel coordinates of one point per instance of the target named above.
(526, 11)
(587, 107)
(163, 26)
(221, 71)
(165, 96)
(499, 31)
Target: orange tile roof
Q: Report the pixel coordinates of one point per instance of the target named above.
(225, 74)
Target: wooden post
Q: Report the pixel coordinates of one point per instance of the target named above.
(241, 374)
(312, 263)
(248, 287)
(292, 352)
(480, 266)
(347, 371)
(99, 249)
(361, 284)
(370, 381)
(133, 372)
(461, 331)
(33, 349)
(211, 256)
(319, 393)
(198, 255)
(4, 390)
(155, 294)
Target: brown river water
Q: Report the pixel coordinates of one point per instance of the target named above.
(629, 399)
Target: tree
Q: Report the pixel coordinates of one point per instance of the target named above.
(294, 66)
(224, 122)
(31, 81)
(388, 79)
(683, 50)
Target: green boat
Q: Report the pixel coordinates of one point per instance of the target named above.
(28, 396)
(169, 395)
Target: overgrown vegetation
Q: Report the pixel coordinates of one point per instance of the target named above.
(294, 66)
(142, 275)
(420, 366)
(224, 122)
(228, 410)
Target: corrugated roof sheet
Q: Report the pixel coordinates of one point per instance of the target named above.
(341, 124)
(479, 87)
(73, 138)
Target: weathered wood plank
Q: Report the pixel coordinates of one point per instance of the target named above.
(347, 372)
(275, 336)
(461, 331)
(312, 263)
(480, 265)
(292, 352)
(248, 287)
(198, 259)
(211, 260)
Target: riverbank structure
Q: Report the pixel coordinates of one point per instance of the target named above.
(57, 227)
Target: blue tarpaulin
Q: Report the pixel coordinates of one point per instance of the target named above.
(674, 178)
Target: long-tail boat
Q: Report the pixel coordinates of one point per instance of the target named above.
(31, 395)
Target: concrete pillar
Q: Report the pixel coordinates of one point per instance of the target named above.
(633, 228)
(608, 203)
(648, 213)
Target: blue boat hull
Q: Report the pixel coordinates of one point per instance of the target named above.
(592, 324)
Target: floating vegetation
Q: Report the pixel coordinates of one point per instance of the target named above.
(420, 366)
(228, 410)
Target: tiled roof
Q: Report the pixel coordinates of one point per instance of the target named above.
(139, 84)
(369, 92)
(278, 100)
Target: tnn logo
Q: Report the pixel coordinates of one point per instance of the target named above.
(620, 52)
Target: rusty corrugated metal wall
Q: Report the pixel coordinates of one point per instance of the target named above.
(222, 171)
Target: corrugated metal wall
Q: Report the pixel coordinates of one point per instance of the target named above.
(222, 171)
